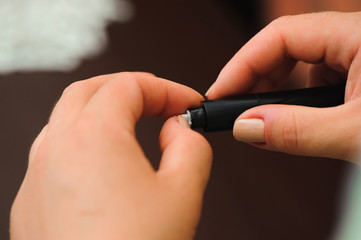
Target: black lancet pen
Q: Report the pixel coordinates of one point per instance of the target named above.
(220, 114)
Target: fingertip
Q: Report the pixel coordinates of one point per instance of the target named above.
(186, 155)
(177, 130)
(249, 130)
(304, 130)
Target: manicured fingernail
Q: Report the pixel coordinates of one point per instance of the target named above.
(182, 121)
(249, 130)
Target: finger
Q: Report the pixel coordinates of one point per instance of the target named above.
(76, 96)
(110, 116)
(187, 156)
(353, 87)
(126, 97)
(321, 75)
(274, 79)
(305, 131)
(73, 100)
(312, 38)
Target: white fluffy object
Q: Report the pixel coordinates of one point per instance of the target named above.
(54, 35)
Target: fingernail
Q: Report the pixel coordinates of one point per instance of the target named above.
(182, 121)
(249, 130)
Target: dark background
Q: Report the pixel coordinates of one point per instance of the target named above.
(252, 194)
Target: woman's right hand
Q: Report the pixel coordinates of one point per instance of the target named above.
(331, 43)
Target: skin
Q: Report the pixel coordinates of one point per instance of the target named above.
(277, 8)
(88, 178)
(330, 43)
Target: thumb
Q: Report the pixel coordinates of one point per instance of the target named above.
(323, 132)
(186, 156)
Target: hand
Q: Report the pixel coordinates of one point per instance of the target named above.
(330, 42)
(88, 177)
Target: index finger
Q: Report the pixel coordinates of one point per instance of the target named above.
(104, 127)
(127, 96)
(267, 59)
(116, 107)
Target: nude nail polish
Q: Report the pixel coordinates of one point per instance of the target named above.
(249, 130)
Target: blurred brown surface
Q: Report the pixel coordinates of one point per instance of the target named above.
(252, 194)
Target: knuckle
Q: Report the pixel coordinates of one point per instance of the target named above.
(124, 76)
(133, 75)
(279, 26)
(84, 125)
(88, 129)
(281, 21)
(73, 88)
(82, 133)
(145, 74)
(38, 158)
(290, 133)
(123, 80)
(287, 134)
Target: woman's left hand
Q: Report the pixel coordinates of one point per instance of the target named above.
(88, 177)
